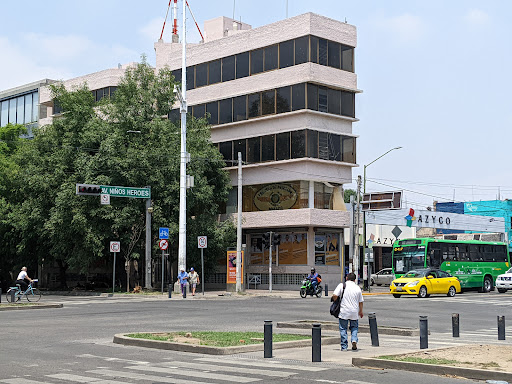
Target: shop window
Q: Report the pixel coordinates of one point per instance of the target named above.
(283, 99)
(225, 111)
(271, 58)
(198, 111)
(213, 110)
(267, 148)
(242, 65)
(256, 61)
(254, 147)
(298, 96)
(347, 58)
(298, 144)
(334, 56)
(312, 143)
(313, 97)
(239, 146)
(254, 105)
(334, 101)
(320, 249)
(268, 102)
(322, 52)
(301, 50)
(314, 49)
(283, 146)
(214, 72)
(226, 149)
(228, 68)
(240, 108)
(286, 54)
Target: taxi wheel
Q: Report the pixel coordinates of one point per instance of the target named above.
(451, 292)
(423, 292)
(397, 296)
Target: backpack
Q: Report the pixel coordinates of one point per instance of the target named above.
(319, 279)
(335, 306)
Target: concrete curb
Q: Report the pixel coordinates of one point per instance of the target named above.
(121, 338)
(15, 307)
(469, 373)
(333, 326)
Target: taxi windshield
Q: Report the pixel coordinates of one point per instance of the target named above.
(415, 273)
(509, 271)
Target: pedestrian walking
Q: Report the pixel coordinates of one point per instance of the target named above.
(183, 277)
(351, 307)
(193, 280)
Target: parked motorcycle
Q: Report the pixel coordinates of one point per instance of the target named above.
(307, 289)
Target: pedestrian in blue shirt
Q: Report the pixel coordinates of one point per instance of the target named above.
(183, 277)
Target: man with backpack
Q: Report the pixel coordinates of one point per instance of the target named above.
(351, 307)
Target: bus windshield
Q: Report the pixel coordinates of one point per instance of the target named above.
(408, 258)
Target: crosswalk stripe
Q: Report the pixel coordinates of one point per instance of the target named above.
(116, 359)
(262, 364)
(198, 374)
(22, 380)
(209, 367)
(84, 379)
(142, 376)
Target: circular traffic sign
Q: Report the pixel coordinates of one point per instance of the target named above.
(201, 241)
(163, 244)
(115, 246)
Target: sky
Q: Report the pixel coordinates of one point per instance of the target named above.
(435, 75)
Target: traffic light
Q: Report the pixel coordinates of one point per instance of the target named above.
(276, 239)
(88, 189)
(265, 242)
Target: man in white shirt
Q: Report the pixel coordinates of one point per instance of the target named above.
(22, 279)
(350, 308)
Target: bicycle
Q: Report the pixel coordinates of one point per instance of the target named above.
(32, 294)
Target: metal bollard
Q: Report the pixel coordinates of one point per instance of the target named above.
(501, 327)
(184, 289)
(374, 332)
(423, 332)
(316, 343)
(170, 290)
(326, 290)
(267, 339)
(455, 324)
(189, 288)
(13, 295)
(0, 295)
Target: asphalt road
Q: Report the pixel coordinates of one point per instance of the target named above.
(74, 343)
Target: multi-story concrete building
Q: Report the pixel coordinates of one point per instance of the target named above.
(283, 95)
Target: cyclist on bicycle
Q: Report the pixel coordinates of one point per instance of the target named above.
(23, 278)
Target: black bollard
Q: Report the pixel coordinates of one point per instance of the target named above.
(326, 290)
(501, 327)
(0, 295)
(189, 288)
(455, 324)
(374, 333)
(316, 343)
(13, 295)
(423, 332)
(267, 339)
(170, 290)
(184, 291)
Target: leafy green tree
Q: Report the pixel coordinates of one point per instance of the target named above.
(347, 193)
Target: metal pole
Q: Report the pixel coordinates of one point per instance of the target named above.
(182, 244)
(0, 295)
(148, 245)
(202, 272)
(13, 295)
(352, 238)
(455, 324)
(170, 290)
(267, 339)
(239, 228)
(316, 343)
(114, 274)
(423, 332)
(162, 272)
(270, 264)
(501, 327)
(326, 290)
(356, 258)
(374, 332)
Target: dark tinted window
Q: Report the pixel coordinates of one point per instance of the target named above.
(334, 58)
(333, 97)
(323, 145)
(313, 97)
(301, 50)
(198, 111)
(174, 115)
(271, 58)
(239, 108)
(298, 144)
(474, 253)
(201, 75)
(322, 52)
(226, 149)
(322, 99)
(298, 97)
(334, 147)
(254, 105)
(177, 75)
(283, 99)
(254, 150)
(225, 111)
(347, 104)
(242, 65)
(228, 68)
(312, 143)
(214, 72)
(314, 49)
(239, 146)
(349, 150)
(256, 61)
(213, 110)
(267, 148)
(286, 54)
(190, 77)
(283, 146)
(268, 102)
(347, 58)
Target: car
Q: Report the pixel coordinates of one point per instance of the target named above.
(424, 282)
(383, 277)
(504, 281)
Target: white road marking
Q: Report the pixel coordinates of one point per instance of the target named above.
(214, 368)
(253, 363)
(142, 376)
(84, 379)
(117, 360)
(21, 380)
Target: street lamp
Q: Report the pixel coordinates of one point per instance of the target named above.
(366, 283)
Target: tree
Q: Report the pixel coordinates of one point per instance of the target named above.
(347, 193)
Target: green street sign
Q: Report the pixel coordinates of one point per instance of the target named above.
(138, 193)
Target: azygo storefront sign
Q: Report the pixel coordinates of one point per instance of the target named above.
(440, 220)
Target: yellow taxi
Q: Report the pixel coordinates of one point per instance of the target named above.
(424, 282)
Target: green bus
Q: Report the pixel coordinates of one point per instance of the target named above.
(476, 264)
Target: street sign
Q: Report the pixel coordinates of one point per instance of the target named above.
(139, 193)
(163, 232)
(105, 199)
(202, 242)
(115, 246)
(163, 244)
(396, 232)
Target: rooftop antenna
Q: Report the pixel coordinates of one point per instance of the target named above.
(234, 1)
(286, 8)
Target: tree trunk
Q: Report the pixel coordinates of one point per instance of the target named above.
(127, 268)
(62, 274)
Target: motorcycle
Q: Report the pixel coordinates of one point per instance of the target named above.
(307, 289)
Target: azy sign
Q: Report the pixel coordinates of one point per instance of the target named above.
(139, 193)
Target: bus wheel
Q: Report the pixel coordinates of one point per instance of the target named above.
(487, 287)
(423, 292)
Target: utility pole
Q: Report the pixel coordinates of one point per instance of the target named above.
(358, 213)
(149, 210)
(270, 263)
(239, 228)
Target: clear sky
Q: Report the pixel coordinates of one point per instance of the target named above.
(436, 76)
